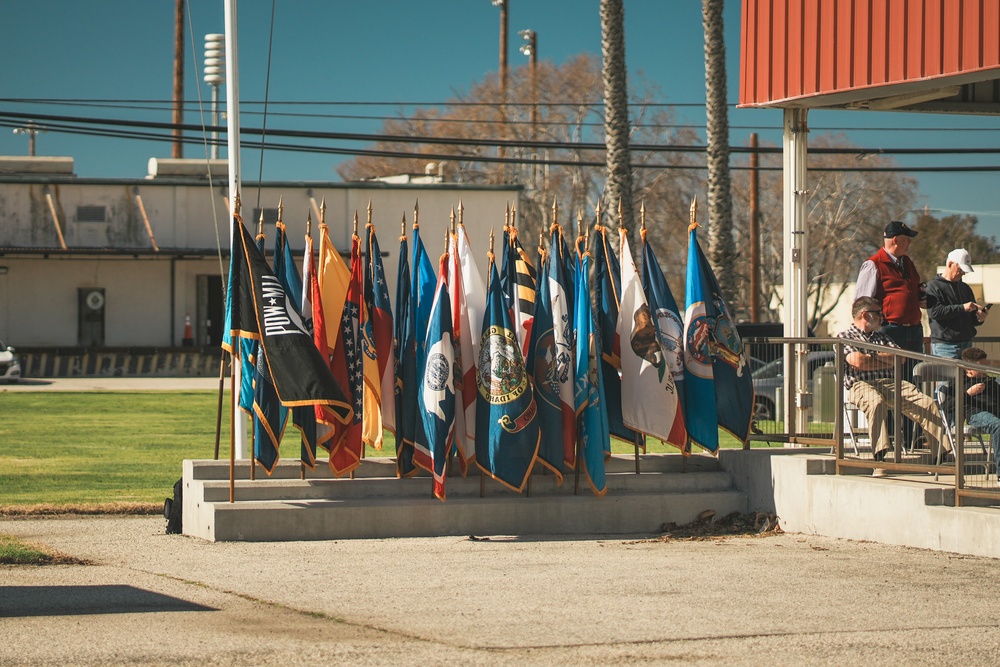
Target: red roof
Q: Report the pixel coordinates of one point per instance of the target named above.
(882, 54)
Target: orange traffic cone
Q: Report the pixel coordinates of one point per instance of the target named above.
(188, 334)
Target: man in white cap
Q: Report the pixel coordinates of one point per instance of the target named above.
(952, 308)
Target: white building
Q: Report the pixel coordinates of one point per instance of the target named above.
(105, 263)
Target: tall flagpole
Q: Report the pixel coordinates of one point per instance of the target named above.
(233, 145)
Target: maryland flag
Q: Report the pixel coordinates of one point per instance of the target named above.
(260, 309)
(436, 396)
(507, 433)
(718, 387)
(649, 397)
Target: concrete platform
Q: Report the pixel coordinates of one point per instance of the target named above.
(375, 504)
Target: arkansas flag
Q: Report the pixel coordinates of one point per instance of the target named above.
(649, 396)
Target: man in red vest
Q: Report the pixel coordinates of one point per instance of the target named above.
(891, 277)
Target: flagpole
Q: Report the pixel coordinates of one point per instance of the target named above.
(579, 420)
(489, 276)
(622, 234)
(233, 148)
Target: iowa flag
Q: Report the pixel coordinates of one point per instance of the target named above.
(649, 396)
(717, 384)
(299, 373)
(437, 389)
(507, 434)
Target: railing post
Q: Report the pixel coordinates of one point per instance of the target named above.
(838, 418)
(897, 413)
(959, 452)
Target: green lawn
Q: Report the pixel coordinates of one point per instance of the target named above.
(89, 448)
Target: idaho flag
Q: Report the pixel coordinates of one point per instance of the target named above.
(507, 434)
(717, 384)
(437, 390)
(299, 373)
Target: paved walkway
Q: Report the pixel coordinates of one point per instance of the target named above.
(152, 598)
(112, 384)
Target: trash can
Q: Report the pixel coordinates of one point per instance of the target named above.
(825, 387)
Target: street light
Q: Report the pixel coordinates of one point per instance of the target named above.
(215, 74)
(31, 129)
(502, 4)
(530, 49)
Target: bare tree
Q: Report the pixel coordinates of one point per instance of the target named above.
(616, 119)
(722, 248)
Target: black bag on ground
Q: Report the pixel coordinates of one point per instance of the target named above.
(172, 508)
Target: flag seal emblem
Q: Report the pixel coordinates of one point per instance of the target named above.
(438, 368)
(502, 377)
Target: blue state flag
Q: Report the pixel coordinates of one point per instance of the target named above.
(544, 356)
(436, 396)
(717, 385)
(666, 314)
(592, 417)
(406, 365)
(507, 434)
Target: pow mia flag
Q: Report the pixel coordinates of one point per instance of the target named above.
(261, 310)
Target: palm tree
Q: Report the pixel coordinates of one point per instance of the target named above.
(722, 247)
(616, 124)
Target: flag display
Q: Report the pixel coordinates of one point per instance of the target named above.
(436, 397)
(507, 434)
(717, 383)
(649, 397)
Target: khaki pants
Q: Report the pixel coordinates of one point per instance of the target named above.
(875, 398)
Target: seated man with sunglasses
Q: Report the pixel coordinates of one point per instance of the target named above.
(868, 378)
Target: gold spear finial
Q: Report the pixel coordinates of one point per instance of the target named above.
(642, 215)
(555, 211)
(281, 209)
(416, 214)
(506, 215)
(322, 211)
(597, 213)
(309, 223)
(461, 213)
(260, 224)
(513, 217)
(579, 223)
(491, 239)
(452, 220)
(402, 228)
(369, 222)
(621, 213)
(447, 242)
(355, 222)
(694, 213)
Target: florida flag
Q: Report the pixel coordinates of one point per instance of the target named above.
(649, 396)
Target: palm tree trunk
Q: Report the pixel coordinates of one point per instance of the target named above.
(616, 124)
(722, 245)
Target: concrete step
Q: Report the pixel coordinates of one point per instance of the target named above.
(377, 518)
(456, 487)
(206, 469)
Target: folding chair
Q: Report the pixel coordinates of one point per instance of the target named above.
(852, 413)
(927, 372)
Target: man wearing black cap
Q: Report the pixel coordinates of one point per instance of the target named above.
(891, 277)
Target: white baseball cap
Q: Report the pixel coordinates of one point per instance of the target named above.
(961, 257)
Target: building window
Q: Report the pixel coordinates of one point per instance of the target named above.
(91, 214)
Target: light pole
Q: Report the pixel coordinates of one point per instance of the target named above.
(502, 4)
(32, 131)
(215, 69)
(530, 49)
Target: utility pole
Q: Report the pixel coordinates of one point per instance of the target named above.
(178, 151)
(32, 131)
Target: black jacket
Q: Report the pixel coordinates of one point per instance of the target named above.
(950, 323)
(987, 401)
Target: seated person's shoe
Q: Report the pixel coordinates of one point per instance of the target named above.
(879, 472)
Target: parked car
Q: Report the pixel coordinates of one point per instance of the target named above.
(10, 367)
(771, 375)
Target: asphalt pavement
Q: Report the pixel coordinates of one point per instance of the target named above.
(150, 598)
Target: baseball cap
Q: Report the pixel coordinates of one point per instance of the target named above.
(961, 257)
(897, 228)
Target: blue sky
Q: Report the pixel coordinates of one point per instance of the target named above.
(399, 51)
